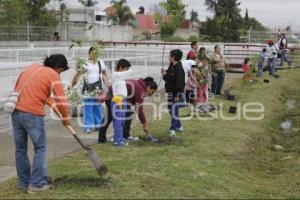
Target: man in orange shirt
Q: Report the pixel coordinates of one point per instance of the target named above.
(35, 85)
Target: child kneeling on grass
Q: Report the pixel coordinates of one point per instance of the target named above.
(174, 79)
(118, 103)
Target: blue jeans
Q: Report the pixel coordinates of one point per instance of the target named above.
(272, 65)
(118, 118)
(284, 57)
(92, 113)
(173, 108)
(218, 77)
(29, 125)
(260, 71)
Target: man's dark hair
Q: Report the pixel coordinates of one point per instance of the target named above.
(149, 81)
(193, 44)
(56, 61)
(264, 50)
(202, 49)
(177, 54)
(123, 63)
(246, 61)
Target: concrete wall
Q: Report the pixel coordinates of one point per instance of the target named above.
(96, 32)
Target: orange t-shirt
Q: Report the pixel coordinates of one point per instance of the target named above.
(35, 85)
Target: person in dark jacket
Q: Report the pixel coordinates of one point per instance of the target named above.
(174, 79)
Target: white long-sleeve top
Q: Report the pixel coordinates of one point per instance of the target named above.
(118, 82)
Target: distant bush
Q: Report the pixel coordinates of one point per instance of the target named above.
(193, 38)
(175, 39)
(147, 35)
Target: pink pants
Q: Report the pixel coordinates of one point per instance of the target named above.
(202, 93)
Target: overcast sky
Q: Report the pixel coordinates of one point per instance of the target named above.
(272, 13)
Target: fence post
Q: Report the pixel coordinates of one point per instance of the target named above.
(28, 33)
(249, 36)
(17, 59)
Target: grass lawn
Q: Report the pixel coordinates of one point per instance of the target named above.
(217, 158)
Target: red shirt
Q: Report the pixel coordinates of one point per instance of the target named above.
(136, 93)
(246, 68)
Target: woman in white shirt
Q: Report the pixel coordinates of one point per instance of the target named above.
(94, 81)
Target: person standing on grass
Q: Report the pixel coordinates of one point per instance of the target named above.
(174, 79)
(261, 61)
(283, 45)
(35, 84)
(189, 91)
(218, 70)
(272, 57)
(192, 54)
(94, 81)
(247, 70)
(190, 87)
(202, 84)
(204, 59)
(137, 90)
(118, 102)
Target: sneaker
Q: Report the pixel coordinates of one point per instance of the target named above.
(33, 190)
(172, 133)
(87, 131)
(120, 144)
(151, 138)
(132, 139)
(179, 129)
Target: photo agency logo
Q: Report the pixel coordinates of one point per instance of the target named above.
(160, 105)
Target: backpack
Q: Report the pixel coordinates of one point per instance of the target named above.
(282, 45)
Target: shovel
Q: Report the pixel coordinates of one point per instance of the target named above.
(95, 160)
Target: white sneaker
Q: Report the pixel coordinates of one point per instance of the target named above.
(180, 129)
(132, 139)
(172, 133)
(33, 190)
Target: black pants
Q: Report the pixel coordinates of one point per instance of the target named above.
(190, 96)
(218, 77)
(108, 119)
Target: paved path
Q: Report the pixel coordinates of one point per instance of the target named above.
(60, 143)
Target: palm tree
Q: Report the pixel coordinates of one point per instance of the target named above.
(88, 3)
(122, 14)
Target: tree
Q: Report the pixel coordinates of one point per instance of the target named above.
(88, 3)
(249, 22)
(22, 11)
(228, 25)
(227, 20)
(122, 13)
(194, 16)
(175, 10)
(39, 15)
(246, 15)
(13, 12)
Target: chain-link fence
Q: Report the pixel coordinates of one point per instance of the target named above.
(67, 31)
(26, 33)
(263, 36)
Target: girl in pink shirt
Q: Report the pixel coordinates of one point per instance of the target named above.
(247, 70)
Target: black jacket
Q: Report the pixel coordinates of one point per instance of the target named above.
(175, 79)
